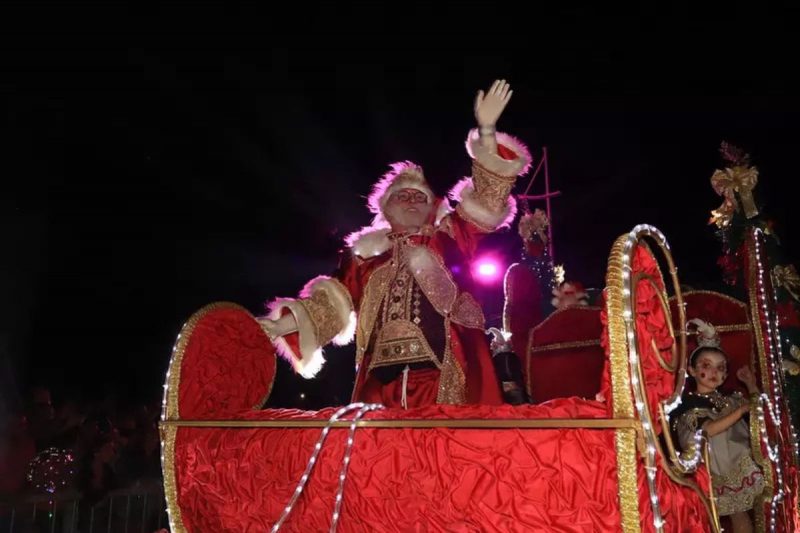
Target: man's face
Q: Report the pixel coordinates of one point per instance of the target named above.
(407, 209)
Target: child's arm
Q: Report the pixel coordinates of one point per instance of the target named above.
(715, 427)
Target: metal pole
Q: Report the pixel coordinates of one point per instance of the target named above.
(535, 173)
(127, 511)
(74, 517)
(110, 512)
(144, 511)
(54, 517)
(547, 199)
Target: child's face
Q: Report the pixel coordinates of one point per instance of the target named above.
(709, 370)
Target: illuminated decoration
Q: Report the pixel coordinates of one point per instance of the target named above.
(487, 269)
(51, 470)
(361, 409)
(771, 400)
(635, 378)
(559, 274)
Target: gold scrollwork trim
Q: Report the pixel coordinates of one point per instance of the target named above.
(565, 345)
(464, 423)
(715, 293)
(617, 336)
(622, 402)
(625, 441)
(168, 434)
(725, 328)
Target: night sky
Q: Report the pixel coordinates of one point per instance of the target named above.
(215, 154)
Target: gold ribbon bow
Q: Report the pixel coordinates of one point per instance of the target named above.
(791, 368)
(727, 183)
(786, 276)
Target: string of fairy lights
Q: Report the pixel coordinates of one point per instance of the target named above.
(633, 358)
(361, 409)
(170, 518)
(773, 408)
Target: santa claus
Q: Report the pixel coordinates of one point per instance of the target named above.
(403, 285)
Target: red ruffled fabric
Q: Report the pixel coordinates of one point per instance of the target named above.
(431, 479)
(436, 479)
(400, 479)
(652, 330)
(210, 386)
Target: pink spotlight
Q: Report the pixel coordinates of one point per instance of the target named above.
(487, 269)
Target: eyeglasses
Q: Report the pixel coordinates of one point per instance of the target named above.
(416, 197)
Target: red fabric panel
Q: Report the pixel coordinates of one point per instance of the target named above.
(565, 373)
(228, 365)
(523, 307)
(432, 479)
(548, 378)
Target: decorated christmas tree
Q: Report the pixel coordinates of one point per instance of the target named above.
(740, 211)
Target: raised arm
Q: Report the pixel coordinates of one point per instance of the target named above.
(484, 199)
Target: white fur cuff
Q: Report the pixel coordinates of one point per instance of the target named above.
(489, 159)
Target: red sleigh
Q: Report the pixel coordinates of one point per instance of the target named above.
(572, 462)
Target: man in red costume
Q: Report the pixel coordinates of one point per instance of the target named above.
(419, 332)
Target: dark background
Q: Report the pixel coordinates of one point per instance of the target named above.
(156, 160)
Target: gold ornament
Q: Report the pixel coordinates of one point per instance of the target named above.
(786, 276)
(791, 368)
(794, 351)
(722, 216)
(560, 274)
(741, 180)
(536, 222)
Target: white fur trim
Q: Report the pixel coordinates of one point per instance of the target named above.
(340, 297)
(444, 209)
(310, 359)
(490, 160)
(403, 174)
(369, 241)
(484, 218)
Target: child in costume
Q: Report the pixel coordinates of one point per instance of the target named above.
(736, 478)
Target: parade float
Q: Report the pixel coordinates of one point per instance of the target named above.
(591, 451)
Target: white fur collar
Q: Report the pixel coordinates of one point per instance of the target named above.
(369, 241)
(373, 240)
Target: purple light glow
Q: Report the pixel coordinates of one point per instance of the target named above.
(487, 269)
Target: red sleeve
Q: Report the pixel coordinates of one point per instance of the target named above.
(350, 273)
(466, 234)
